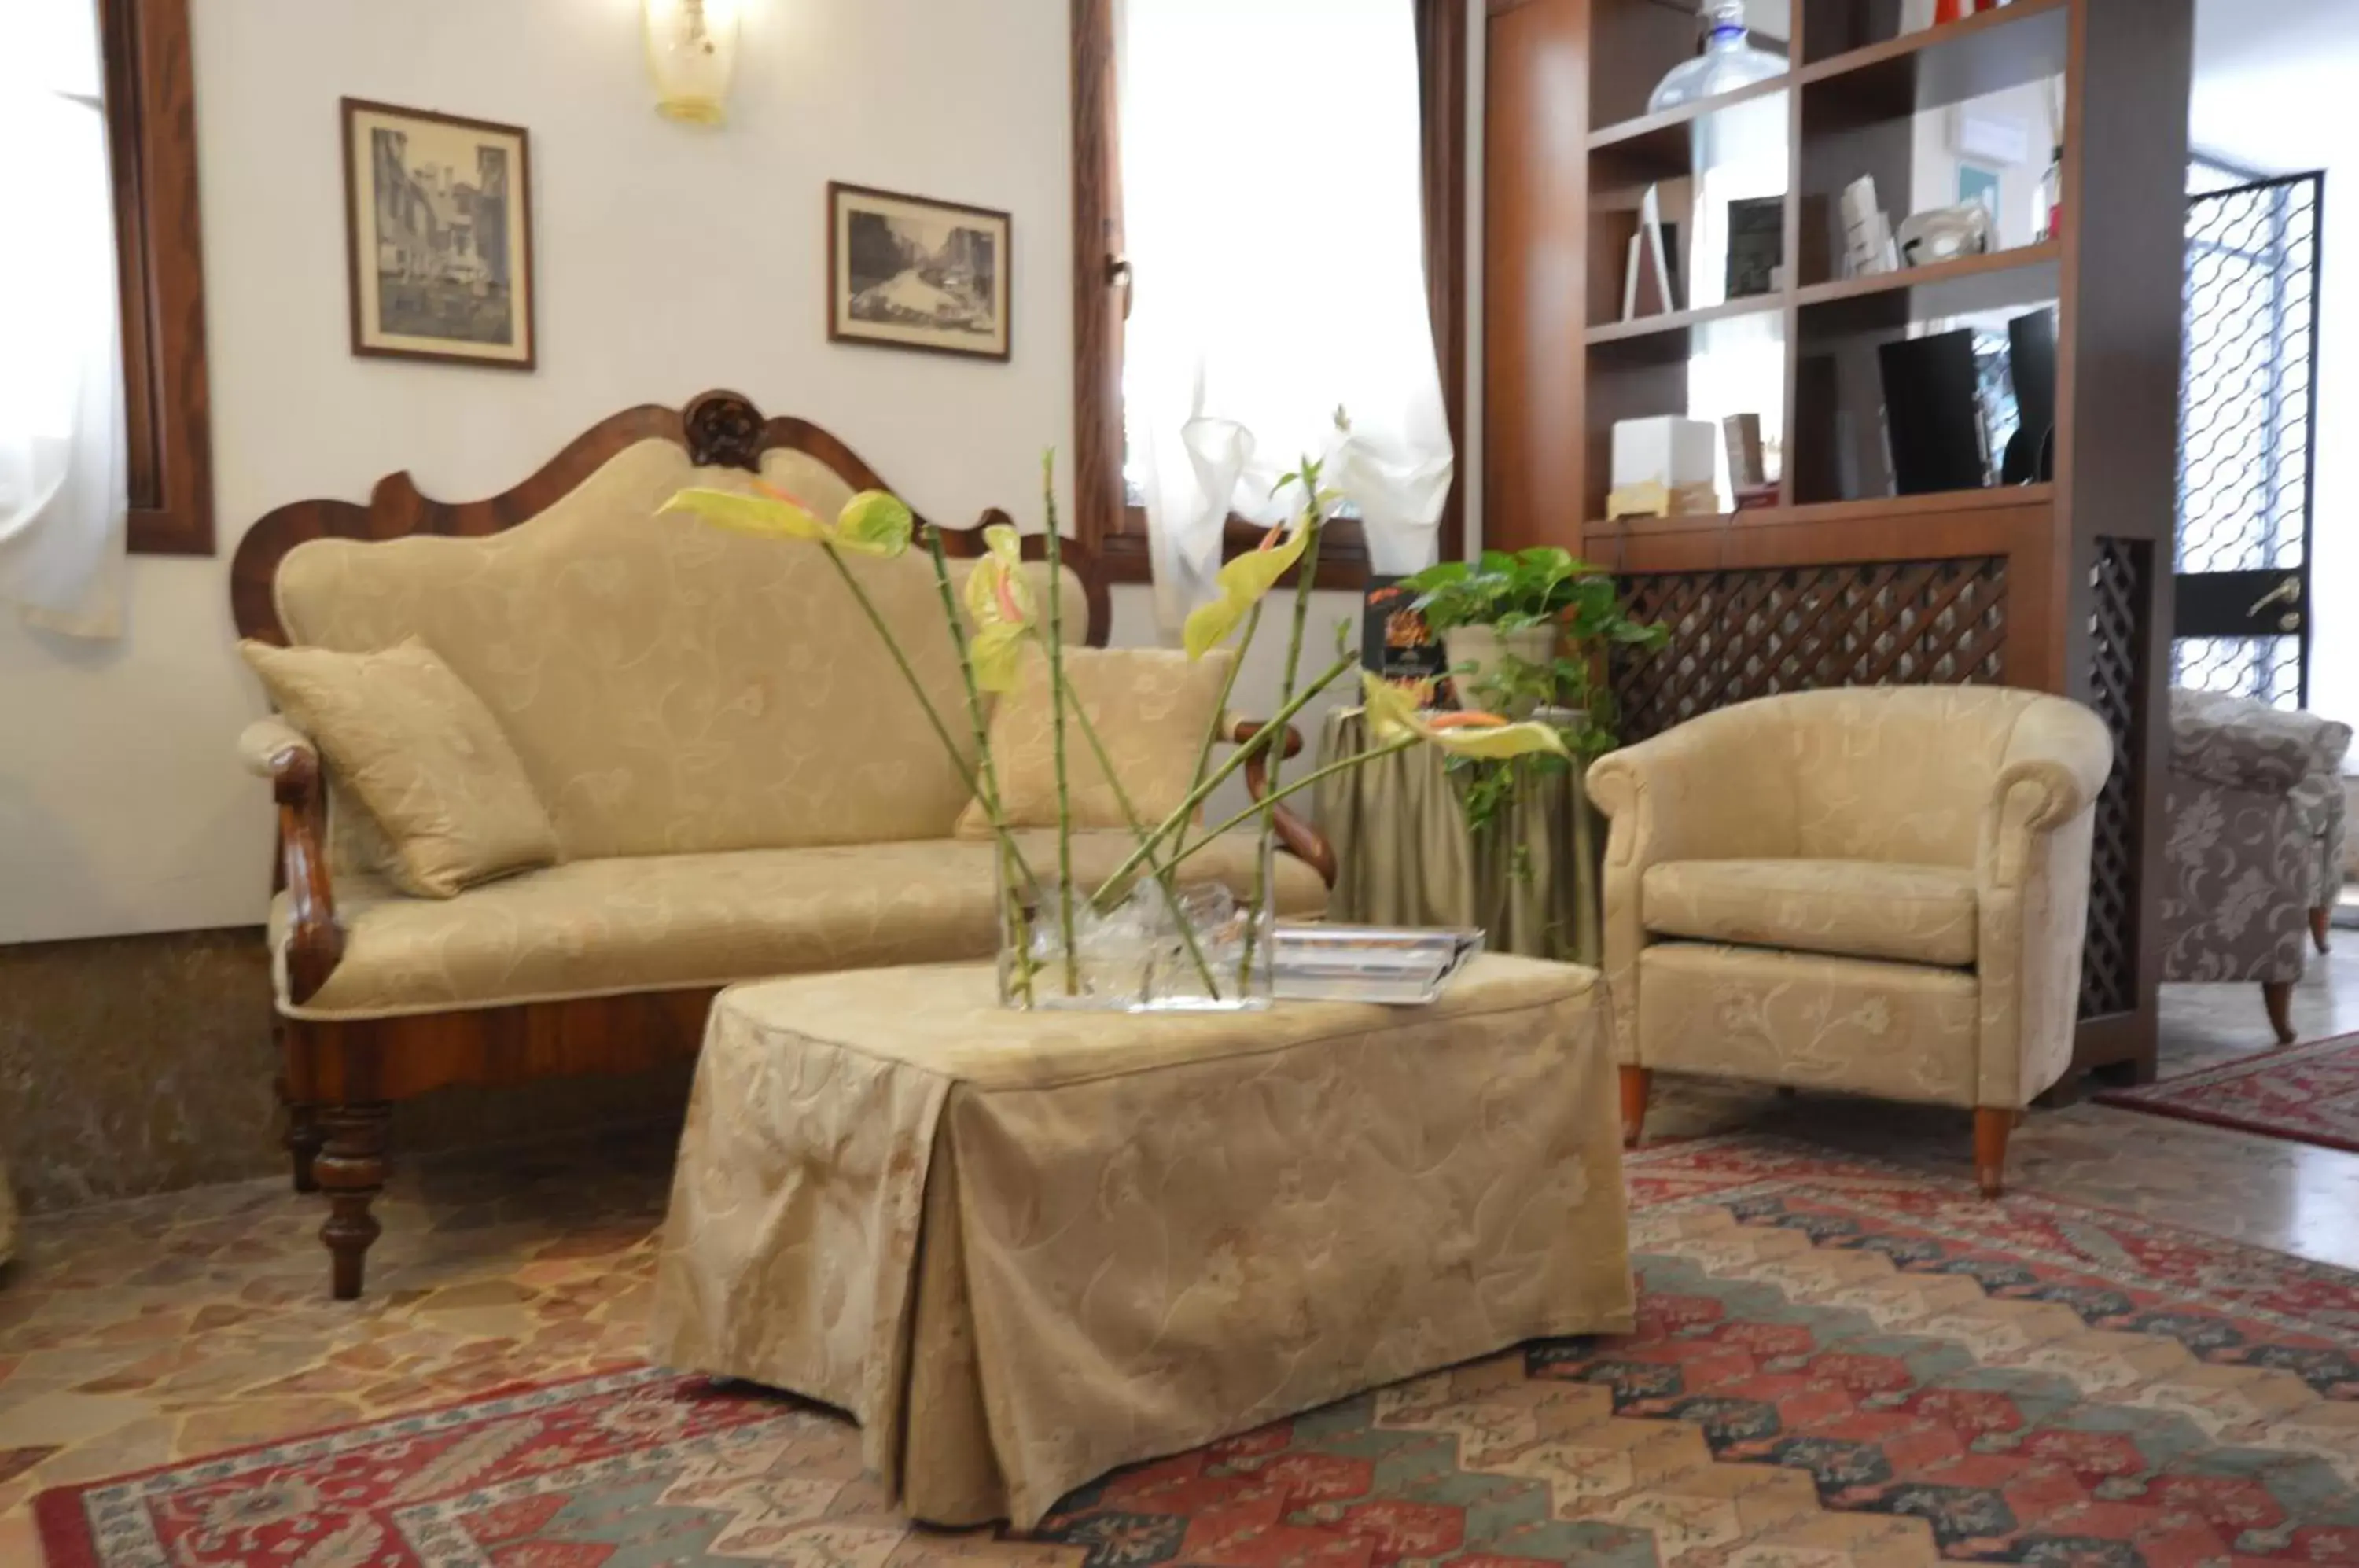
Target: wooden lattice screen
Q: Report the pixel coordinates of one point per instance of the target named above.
(2118, 594)
(1752, 632)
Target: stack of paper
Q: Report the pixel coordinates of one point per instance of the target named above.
(1396, 965)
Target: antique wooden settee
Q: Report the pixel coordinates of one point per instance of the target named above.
(740, 784)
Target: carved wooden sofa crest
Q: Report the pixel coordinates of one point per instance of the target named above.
(739, 782)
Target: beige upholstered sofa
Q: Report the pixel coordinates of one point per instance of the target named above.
(740, 783)
(1882, 891)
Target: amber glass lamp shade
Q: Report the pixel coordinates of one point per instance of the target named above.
(692, 53)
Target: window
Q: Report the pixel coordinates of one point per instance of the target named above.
(102, 400)
(1111, 521)
(151, 122)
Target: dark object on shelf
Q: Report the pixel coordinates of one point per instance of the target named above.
(1931, 413)
(1394, 641)
(1757, 244)
(1756, 497)
(2031, 358)
(1747, 466)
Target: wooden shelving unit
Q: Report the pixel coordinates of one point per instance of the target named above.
(2062, 586)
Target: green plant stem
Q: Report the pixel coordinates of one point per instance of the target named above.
(1011, 859)
(1161, 876)
(1309, 570)
(941, 732)
(1275, 796)
(1247, 751)
(1057, 729)
(1228, 686)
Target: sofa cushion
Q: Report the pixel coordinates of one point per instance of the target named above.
(1920, 914)
(1900, 1031)
(670, 687)
(1150, 708)
(659, 922)
(423, 756)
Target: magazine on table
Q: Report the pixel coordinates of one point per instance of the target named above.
(1398, 965)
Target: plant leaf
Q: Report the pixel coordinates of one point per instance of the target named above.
(756, 515)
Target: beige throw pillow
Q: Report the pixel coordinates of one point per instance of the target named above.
(405, 737)
(1149, 706)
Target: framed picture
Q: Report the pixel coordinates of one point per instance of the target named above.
(438, 231)
(908, 272)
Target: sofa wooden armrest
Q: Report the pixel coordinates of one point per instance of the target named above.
(1302, 841)
(280, 753)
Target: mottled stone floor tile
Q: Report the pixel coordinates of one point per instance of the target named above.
(160, 1328)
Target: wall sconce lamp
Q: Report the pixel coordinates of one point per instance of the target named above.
(692, 53)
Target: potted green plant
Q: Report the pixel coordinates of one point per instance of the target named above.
(1523, 632)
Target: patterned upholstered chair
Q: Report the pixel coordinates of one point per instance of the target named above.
(2253, 813)
(1883, 891)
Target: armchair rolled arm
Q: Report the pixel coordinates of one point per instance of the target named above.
(2058, 759)
(1713, 788)
(2240, 743)
(1302, 841)
(315, 944)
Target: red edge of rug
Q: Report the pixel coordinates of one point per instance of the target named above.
(63, 1527)
(2160, 1099)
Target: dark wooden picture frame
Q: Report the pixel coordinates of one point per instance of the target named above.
(845, 287)
(487, 253)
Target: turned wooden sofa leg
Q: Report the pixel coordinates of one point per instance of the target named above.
(1991, 1125)
(303, 1137)
(1635, 1080)
(303, 1141)
(351, 1167)
(2278, 995)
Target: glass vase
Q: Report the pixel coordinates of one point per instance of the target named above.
(1193, 943)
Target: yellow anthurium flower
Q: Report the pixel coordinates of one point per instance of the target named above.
(774, 515)
(1393, 718)
(1243, 581)
(871, 523)
(999, 599)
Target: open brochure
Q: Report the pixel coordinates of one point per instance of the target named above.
(1401, 966)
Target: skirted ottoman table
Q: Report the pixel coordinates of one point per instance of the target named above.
(1024, 1248)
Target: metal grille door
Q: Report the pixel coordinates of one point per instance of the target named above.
(2249, 404)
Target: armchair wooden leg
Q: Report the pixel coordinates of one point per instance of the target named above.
(1636, 1082)
(2320, 924)
(1991, 1125)
(2278, 996)
(351, 1166)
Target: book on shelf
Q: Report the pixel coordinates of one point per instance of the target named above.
(1395, 965)
(1651, 285)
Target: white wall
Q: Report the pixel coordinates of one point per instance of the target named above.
(2273, 93)
(669, 260)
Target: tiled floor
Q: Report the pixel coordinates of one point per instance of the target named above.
(138, 1332)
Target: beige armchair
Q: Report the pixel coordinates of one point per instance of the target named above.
(1878, 891)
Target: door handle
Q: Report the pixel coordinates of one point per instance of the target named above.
(1118, 275)
(2285, 593)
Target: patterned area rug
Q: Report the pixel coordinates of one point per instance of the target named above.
(2306, 1092)
(1839, 1366)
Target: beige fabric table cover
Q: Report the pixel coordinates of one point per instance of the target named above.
(1404, 857)
(1021, 1249)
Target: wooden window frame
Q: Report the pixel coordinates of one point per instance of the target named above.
(151, 133)
(1114, 530)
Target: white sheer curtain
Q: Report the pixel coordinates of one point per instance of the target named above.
(63, 485)
(1270, 190)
